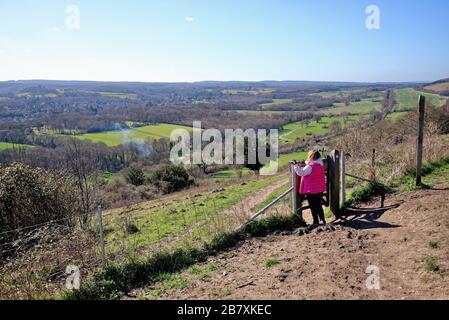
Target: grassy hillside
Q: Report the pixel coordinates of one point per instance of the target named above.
(407, 99)
(439, 86)
(172, 217)
(115, 138)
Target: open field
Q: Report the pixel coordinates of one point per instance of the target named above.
(115, 138)
(407, 99)
(299, 130)
(284, 159)
(7, 145)
(364, 106)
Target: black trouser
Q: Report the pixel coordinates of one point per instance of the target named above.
(316, 206)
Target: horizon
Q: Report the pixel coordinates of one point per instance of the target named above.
(229, 81)
(193, 41)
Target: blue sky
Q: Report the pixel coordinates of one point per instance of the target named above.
(193, 40)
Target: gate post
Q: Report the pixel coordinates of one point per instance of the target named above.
(335, 179)
(343, 179)
(294, 189)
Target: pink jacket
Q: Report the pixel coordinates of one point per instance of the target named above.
(313, 178)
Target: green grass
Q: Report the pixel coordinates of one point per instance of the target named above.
(271, 263)
(272, 196)
(166, 282)
(231, 173)
(203, 272)
(364, 106)
(408, 98)
(115, 280)
(299, 130)
(284, 159)
(431, 264)
(115, 138)
(433, 174)
(168, 219)
(396, 115)
(7, 145)
(433, 244)
(366, 192)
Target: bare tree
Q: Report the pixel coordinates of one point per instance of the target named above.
(83, 165)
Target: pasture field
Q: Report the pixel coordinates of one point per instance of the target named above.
(364, 106)
(299, 130)
(7, 145)
(284, 159)
(407, 99)
(115, 138)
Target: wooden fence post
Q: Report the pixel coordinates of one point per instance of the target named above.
(295, 195)
(334, 176)
(373, 166)
(419, 156)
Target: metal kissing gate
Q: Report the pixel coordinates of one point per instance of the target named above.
(334, 198)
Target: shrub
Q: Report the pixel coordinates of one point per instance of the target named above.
(30, 196)
(433, 244)
(170, 178)
(431, 264)
(135, 176)
(271, 263)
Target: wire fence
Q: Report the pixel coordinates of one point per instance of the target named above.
(34, 261)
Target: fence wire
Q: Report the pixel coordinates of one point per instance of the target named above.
(34, 260)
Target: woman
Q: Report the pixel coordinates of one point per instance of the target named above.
(313, 184)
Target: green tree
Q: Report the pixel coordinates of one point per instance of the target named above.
(170, 178)
(135, 176)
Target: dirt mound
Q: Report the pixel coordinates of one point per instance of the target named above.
(406, 242)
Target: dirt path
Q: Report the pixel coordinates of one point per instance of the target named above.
(331, 262)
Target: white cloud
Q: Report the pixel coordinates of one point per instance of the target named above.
(189, 19)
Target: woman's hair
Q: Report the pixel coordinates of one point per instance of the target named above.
(314, 155)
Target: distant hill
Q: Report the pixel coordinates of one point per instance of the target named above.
(440, 87)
